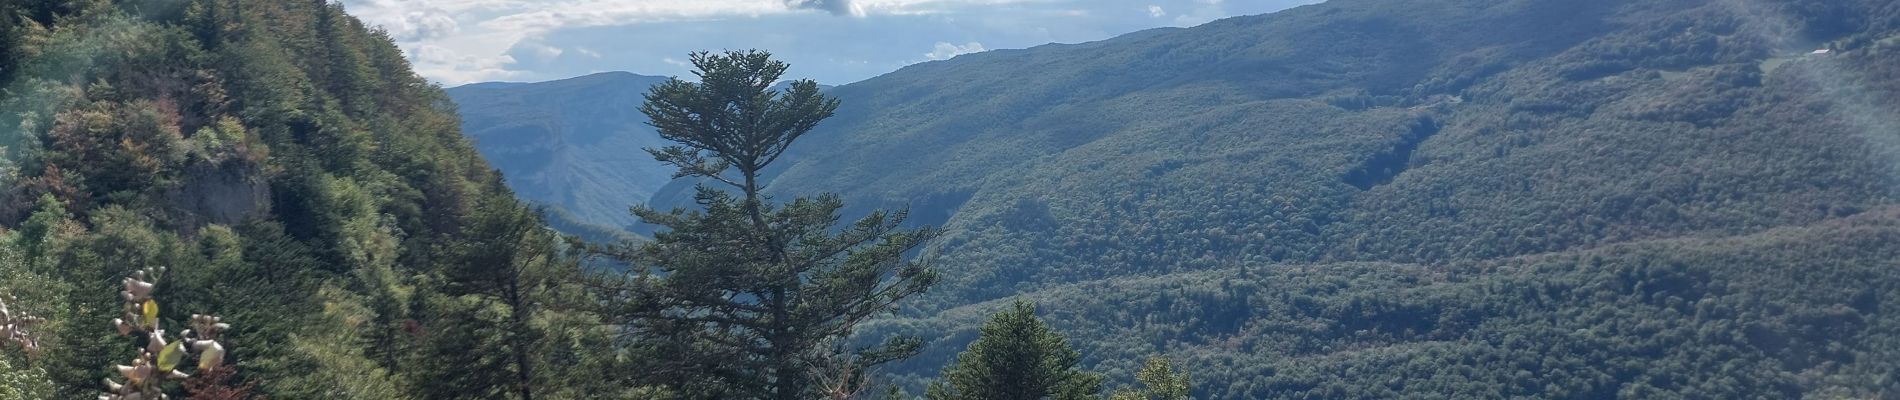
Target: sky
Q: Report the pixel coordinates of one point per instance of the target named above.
(454, 42)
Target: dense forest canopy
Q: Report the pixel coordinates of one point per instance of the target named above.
(1357, 199)
(1374, 130)
(271, 182)
(1186, 183)
(285, 168)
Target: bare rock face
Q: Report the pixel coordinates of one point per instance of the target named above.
(221, 193)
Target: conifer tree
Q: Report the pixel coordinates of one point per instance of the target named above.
(760, 295)
(1016, 358)
(1159, 381)
(487, 342)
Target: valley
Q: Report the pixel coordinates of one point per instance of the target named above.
(1324, 143)
(238, 199)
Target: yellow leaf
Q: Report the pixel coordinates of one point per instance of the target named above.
(211, 357)
(151, 314)
(169, 357)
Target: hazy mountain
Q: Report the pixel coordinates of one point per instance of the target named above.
(572, 144)
(1359, 199)
(1343, 199)
(1370, 130)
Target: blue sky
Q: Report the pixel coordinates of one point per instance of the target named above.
(833, 41)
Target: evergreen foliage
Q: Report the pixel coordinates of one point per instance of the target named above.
(1421, 135)
(1359, 199)
(1159, 381)
(1017, 357)
(762, 294)
(284, 164)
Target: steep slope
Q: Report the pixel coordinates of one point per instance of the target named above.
(1439, 198)
(276, 163)
(1371, 130)
(1410, 135)
(572, 144)
(1781, 313)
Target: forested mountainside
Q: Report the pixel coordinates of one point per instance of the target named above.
(571, 144)
(277, 164)
(1424, 131)
(1358, 199)
(1480, 198)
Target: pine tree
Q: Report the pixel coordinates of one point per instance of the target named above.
(488, 343)
(1016, 358)
(1159, 381)
(761, 295)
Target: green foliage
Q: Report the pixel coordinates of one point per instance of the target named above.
(491, 298)
(762, 294)
(19, 382)
(1407, 135)
(1360, 199)
(1781, 313)
(162, 360)
(1377, 131)
(1016, 357)
(22, 373)
(287, 167)
(1158, 381)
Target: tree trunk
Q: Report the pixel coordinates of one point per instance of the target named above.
(787, 382)
(524, 368)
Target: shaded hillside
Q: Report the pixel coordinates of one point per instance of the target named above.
(1782, 313)
(276, 163)
(1436, 198)
(1419, 132)
(573, 144)
(1429, 134)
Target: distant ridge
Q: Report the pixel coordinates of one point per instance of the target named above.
(1424, 198)
(572, 144)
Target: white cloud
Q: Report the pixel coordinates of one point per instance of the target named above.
(449, 67)
(532, 53)
(553, 14)
(587, 13)
(460, 41)
(430, 54)
(1202, 12)
(945, 50)
(835, 7)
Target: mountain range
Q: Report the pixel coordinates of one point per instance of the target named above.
(571, 144)
(1367, 198)
(574, 146)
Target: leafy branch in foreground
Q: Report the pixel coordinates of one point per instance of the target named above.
(17, 328)
(159, 360)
